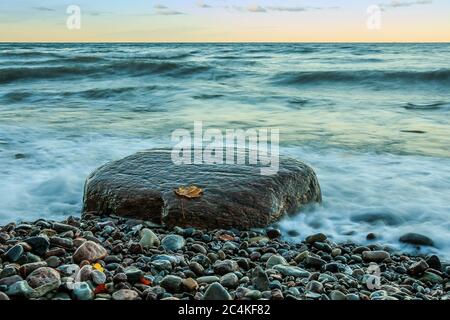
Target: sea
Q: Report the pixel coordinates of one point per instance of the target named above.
(373, 120)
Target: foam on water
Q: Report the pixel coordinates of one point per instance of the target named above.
(388, 195)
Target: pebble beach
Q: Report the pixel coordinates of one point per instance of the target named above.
(109, 258)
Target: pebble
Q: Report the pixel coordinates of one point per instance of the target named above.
(125, 294)
(418, 268)
(82, 291)
(216, 291)
(434, 262)
(148, 239)
(416, 239)
(189, 285)
(273, 233)
(14, 253)
(259, 279)
(230, 280)
(291, 271)
(222, 267)
(133, 274)
(171, 283)
(39, 244)
(89, 251)
(46, 278)
(275, 260)
(208, 279)
(3, 296)
(337, 295)
(173, 242)
(314, 286)
(98, 277)
(314, 262)
(318, 237)
(20, 289)
(375, 256)
(199, 248)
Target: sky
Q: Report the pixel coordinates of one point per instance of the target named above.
(225, 21)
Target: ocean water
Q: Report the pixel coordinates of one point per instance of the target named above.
(373, 120)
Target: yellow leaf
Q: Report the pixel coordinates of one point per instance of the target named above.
(189, 192)
(98, 266)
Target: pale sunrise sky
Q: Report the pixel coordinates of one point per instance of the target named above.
(225, 21)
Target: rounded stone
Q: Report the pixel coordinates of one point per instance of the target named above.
(216, 291)
(275, 260)
(89, 251)
(125, 294)
(416, 239)
(14, 253)
(148, 238)
(142, 186)
(173, 242)
(82, 291)
(171, 283)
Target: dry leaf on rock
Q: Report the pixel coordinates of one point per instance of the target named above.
(189, 192)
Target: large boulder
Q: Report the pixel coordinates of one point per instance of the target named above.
(143, 185)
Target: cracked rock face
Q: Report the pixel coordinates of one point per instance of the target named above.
(142, 185)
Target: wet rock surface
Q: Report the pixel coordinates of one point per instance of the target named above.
(142, 186)
(205, 265)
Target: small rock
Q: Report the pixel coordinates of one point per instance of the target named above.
(148, 238)
(3, 296)
(208, 279)
(98, 277)
(133, 274)
(216, 291)
(416, 239)
(418, 268)
(189, 285)
(434, 262)
(259, 279)
(14, 253)
(39, 244)
(273, 233)
(173, 242)
(199, 248)
(20, 289)
(337, 295)
(222, 267)
(291, 271)
(89, 251)
(171, 283)
(275, 260)
(230, 280)
(375, 256)
(371, 236)
(125, 294)
(314, 262)
(44, 280)
(82, 291)
(318, 237)
(314, 286)
(431, 277)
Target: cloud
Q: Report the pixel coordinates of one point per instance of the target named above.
(256, 8)
(402, 4)
(165, 11)
(259, 9)
(203, 5)
(43, 9)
